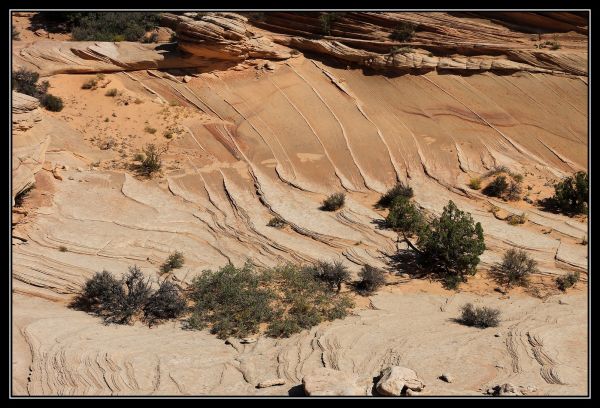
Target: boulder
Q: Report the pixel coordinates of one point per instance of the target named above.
(396, 380)
(326, 381)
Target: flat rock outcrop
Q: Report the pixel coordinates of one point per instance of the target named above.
(30, 140)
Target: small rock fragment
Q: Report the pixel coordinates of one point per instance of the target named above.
(447, 377)
(271, 383)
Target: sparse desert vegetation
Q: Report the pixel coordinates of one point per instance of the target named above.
(26, 82)
(571, 195)
(334, 202)
(371, 279)
(515, 269)
(174, 261)
(236, 301)
(481, 317)
(567, 281)
(400, 189)
(276, 222)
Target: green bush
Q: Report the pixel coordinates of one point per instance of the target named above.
(400, 189)
(151, 162)
(174, 261)
(403, 32)
(334, 274)
(514, 219)
(24, 81)
(326, 20)
(90, 84)
(497, 170)
(166, 303)
(475, 183)
(120, 300)
(405, 217)
(514, 191)
(232, 300)
(451, 244)
(113, 26)
(567, 281)
(571, 194)
(481, 317)
(116, 301)
(334, 202)
(236, 301)
(515, 268)
(371, 279)
(497, 187)
(51, 102)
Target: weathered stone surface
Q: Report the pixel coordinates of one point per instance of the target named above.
(395, 380)
(329, 382)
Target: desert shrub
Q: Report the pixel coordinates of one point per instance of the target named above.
(168, 134)
(405, 217)
(111, 92)
(25, 82)
(475, 183)
(332, 273)
(116, 301)
(233, 300)
(497, 187)
(403, 32)
(62, 248)
(400, 189)
(276, 222)
(451, 244)
(571, 194)
(20, 197)
(151, 162)
(517, 177)
(334, 202)
(479, 316)
(113, 26)
(15, 34)
(303, 301)
(90, 84)
(149, 129)
(515, 219)
(567, 281)
(514, 191)
(51, 102)
(166, 303)
(138, 157)
(515, 268)
(497, 170)
(326, 20)
(371, 279)
(99, 294)
(174, 261)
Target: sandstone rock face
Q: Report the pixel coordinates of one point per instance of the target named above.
(395, 381)
(29, 141)
(257, 143)
(329, 382)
